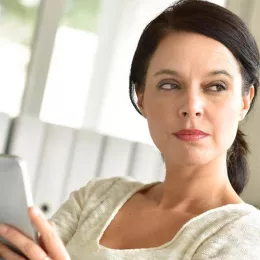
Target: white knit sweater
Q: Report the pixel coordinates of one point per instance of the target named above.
(231, 232)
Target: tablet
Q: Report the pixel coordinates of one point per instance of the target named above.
(15, 197)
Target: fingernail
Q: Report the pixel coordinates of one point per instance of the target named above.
(52, 224)
(3, 229)
(37, 211)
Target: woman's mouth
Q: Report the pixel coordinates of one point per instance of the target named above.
(190, 135)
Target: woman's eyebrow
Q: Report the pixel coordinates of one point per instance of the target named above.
(167, 71)
(175, 73)
(220, 72)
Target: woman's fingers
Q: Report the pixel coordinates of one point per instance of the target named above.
(28, 247)
(8, 254)
(53, 246)
(40, 240)
(52, 243)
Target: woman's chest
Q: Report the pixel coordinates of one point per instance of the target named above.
(134, 228)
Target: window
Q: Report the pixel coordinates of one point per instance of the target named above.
(71, 65)
(17, 23)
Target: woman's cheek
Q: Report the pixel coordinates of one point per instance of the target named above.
(226, 124)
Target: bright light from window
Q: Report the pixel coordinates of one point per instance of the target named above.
(30, 3)
(69, 76)
(219, 2)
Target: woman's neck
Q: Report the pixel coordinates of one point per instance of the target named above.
(194, 189)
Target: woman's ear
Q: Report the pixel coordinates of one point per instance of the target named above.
(140, 102)
(246, 102)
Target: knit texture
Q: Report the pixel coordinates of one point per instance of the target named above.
(230, 232)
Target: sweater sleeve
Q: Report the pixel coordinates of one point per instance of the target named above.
(67, 216)
(239, 240)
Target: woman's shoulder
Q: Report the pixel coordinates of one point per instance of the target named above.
(98, 188)
(98, 192)
(247, 226)
(237, 239)
(106, 183)
(245, 223)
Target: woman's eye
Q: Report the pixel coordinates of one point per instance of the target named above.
(217, 88)
(168, 86)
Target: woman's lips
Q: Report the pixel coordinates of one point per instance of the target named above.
(190, 137)
(190, 134)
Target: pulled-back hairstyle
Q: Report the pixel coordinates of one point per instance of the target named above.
(218, 23)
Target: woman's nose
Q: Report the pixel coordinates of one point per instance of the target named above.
(191, 108)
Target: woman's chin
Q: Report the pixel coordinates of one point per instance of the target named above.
(189, 159)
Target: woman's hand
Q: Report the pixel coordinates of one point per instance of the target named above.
(51, 245)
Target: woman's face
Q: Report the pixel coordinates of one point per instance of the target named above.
(193, 82)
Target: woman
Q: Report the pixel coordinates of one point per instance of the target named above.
(195, 74)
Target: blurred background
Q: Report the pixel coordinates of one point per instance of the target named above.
(64, 104)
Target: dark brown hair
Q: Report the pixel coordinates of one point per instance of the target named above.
(218, 23)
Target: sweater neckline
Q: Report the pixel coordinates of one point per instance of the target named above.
(141, 187)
